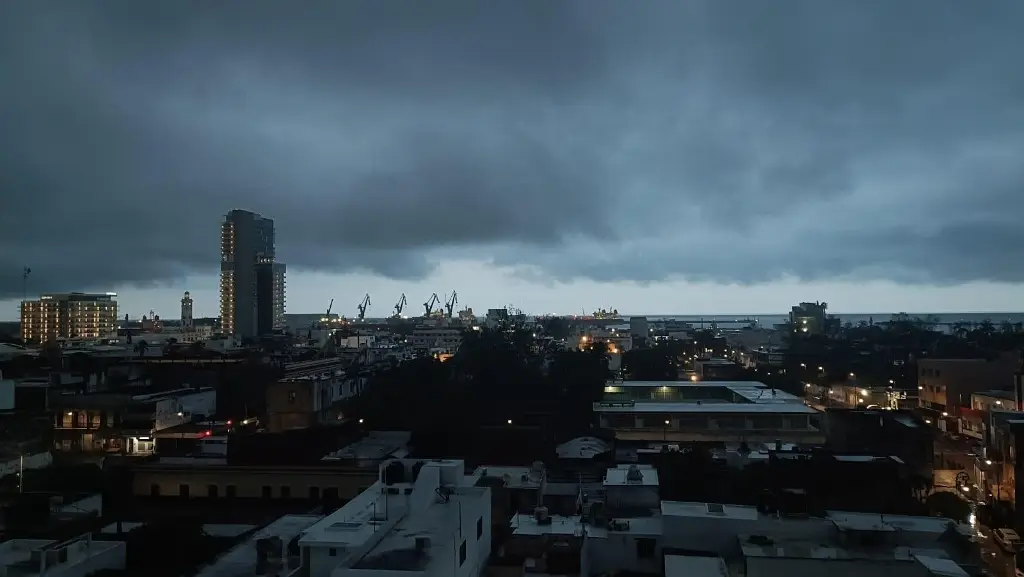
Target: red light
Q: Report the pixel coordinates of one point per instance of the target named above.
(229, 422)
(208, 433)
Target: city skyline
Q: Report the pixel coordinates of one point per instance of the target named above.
(654, 157)
(309, 290)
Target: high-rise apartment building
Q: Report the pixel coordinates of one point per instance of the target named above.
(69, 316)
(251, 282)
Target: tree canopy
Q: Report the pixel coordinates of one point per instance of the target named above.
(497, 376)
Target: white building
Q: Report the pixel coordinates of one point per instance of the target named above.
(716, 540)
(437, 339)
(716, 411)
(422, 517)
(76, 557)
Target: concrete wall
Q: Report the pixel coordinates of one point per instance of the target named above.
(34, 461)
(191, 405)
(790, 567)
(249, 482)
(6, 394)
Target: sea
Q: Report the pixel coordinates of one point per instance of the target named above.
(770, 320)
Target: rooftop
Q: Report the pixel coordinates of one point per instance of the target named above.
(693, 566)
(785, 547)
(582, 448)
(241, 560)
(704, 407)
(1004, 395)
(514, 477)
(375, 446)
(631, 475)
(418, 538)
(527, 524)
(381, 506)
(16, 555)
(709, 510)
(727, 384)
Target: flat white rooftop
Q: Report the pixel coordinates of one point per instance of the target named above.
(795, 548)
(684, 384)
(357, 520)
(618, 476)
(440, 522)
(526, 524)
(240, 561)
(693, 566)
(708, 510)
(708, 407)
(514, 477)
(843, 520)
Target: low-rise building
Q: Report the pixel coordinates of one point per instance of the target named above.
(976, 421)
(721, 369)
(729, 540)
(78, 557)
(426, 517)
(125, 423)
(436, 339)
(625, 528)
(722, 411)
(945, 386)
(212, 478)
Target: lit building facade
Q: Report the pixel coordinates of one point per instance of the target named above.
(251, 282)
(69, 316)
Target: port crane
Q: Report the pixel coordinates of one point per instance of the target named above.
(451, 302)
(363, 306)
(400, 306)
(428, 307)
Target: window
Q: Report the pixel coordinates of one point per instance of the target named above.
(314, 493)
(231, 490)
(286, 492)
(211, 490)
(479, 527)
(332, 552)
(154, 490)
(291, 397)
(645, 547)
(462, 553)
(268, 491)
(183, 490)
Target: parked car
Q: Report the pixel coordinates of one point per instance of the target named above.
(1007, 539)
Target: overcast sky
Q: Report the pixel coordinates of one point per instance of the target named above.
(676, 156)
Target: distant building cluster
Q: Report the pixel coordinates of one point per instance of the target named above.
(68, 316)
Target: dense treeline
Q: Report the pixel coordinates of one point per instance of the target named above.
(496, 378)
(887, 352)
(815, 481)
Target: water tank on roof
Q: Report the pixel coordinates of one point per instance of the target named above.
(633, 475)
(394, 472)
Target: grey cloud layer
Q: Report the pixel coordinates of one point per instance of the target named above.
(728, 141)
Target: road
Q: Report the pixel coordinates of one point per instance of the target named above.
(959, 454)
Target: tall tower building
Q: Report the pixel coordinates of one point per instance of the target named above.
(251, 283)
(186, 312)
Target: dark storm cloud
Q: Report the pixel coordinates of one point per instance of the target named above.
(731, 141)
